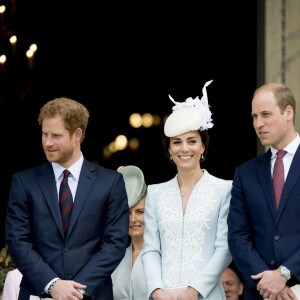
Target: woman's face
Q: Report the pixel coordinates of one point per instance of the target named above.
(136, 219)
(186, 150)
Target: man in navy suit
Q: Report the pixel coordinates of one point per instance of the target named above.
(263, 240)
(76, 264)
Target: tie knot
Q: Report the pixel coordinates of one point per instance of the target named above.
(281, 154)
(66, 173)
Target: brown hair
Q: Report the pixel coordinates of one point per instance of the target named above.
(204, 138)
(74, 114)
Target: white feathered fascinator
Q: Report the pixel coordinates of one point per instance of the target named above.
(193, 114)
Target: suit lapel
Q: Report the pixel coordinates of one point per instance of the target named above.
(292, 178)
(265, 179)
(48, 186)
(86, 179)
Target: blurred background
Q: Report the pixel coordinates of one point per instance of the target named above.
(124, 58)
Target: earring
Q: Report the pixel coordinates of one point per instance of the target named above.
(171, 157)
(202, 157)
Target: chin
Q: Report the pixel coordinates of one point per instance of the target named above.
(135, 234)
(51, 159)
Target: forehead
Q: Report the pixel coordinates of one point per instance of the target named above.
(187, 135)
(228, 274)
(55, 123)
(264, 100)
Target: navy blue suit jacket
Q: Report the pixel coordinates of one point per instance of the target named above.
(97, 236)
(259, 237)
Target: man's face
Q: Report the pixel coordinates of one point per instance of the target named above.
(270, 123)
(59, 145)
(233, 287)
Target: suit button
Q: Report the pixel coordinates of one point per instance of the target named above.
(66, 249)
(276, 238)
(273, 262)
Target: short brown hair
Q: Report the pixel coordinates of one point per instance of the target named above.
(283, 95)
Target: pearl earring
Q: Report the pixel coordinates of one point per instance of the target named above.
(171, 157)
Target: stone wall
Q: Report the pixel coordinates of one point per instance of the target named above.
(278, 53)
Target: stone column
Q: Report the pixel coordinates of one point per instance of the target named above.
(279, 46)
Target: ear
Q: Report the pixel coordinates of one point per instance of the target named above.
(241, 288)
(78, 134)
(289, 112)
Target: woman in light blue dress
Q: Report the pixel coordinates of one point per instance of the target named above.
(185, 240)
(128, 278)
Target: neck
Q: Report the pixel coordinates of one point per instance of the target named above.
(189, 179)
(187, 182)
(137, 243)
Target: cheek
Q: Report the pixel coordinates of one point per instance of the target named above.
(141, 219)
(173, 149)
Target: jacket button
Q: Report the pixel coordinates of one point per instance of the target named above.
(276, 238)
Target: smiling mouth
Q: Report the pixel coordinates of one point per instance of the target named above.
(185, 157)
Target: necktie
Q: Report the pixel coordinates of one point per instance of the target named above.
(65, 200)
(278, 176)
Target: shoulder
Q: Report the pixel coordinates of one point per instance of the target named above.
(161, 185)
(211, 179)
(34, 171)
(100, 170)
(261, 160)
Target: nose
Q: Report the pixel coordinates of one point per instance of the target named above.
(257, 122)
(48, 140)
(185, 147)
(132, 218)
(225, 286)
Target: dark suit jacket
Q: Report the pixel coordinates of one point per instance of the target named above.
(261, 238)
(97, 236)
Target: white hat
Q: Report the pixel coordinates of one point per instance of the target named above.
(193, 114)
(134, 183)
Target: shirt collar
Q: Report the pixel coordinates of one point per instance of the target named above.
(290, 148)
(74, 169)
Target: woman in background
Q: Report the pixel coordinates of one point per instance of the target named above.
(128, 278)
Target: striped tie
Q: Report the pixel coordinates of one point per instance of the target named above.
(65, 201)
